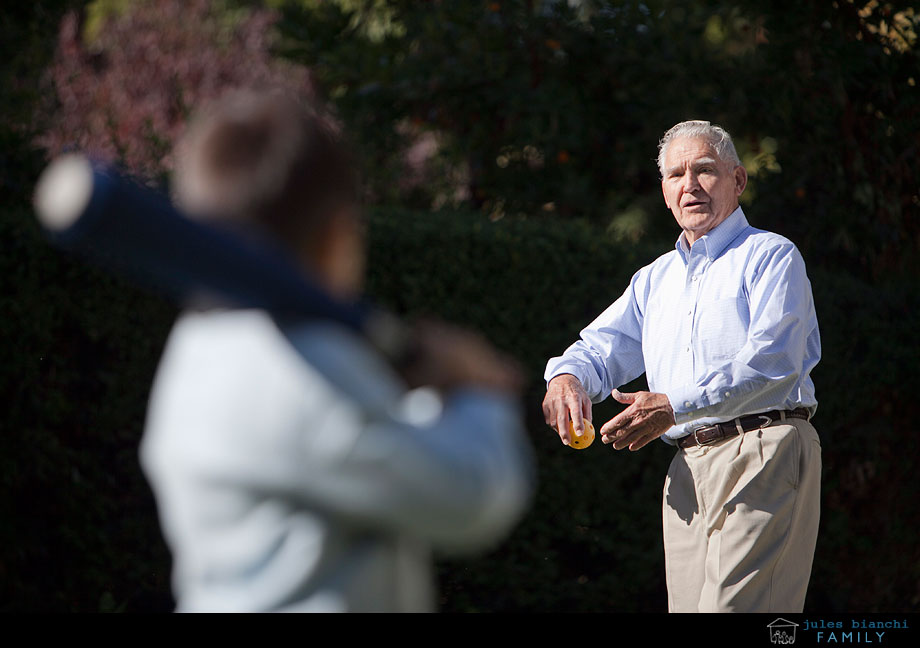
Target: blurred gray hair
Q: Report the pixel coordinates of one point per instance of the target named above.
(717, 136)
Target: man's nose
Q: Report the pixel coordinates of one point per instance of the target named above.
(691, 182)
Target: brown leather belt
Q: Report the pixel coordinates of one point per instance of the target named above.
(708, 434)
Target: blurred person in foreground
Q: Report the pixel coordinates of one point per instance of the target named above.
(724, 328)
(295, 469)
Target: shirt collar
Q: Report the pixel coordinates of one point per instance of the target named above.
(716, 239)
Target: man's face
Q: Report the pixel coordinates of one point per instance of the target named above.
(699, 188)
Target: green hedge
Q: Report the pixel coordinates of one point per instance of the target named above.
(594, 531)
(80, 531)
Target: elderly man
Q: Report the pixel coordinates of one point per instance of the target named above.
(724, 327)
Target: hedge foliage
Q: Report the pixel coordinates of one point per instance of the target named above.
(80, 531)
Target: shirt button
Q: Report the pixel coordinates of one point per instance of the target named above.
(727, 394)
(694, 278)
(688, 404)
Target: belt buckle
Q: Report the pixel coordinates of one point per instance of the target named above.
(696, 439)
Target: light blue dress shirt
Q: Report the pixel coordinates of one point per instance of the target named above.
(725, 329)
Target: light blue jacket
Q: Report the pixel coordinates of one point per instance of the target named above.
(310, 479)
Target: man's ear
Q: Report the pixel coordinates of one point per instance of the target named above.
(741, 178)
(665, 194)
(337, 252)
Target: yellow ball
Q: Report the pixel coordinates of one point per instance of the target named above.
(583, 441)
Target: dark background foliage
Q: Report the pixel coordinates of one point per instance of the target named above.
(508, 150)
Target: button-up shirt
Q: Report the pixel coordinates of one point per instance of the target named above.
(724, 328)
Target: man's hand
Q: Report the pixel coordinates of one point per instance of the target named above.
(648, 416)
(565, 398)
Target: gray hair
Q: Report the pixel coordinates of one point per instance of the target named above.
(717, 136)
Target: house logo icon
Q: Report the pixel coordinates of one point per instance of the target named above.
(782, 632)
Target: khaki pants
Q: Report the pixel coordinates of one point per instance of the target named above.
(741, 521)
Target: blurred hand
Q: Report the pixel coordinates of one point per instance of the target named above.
(449, 357)
(566, 399)
(648, 416)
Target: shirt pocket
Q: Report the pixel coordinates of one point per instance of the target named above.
(722, 327)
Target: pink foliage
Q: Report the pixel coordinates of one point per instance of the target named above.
(126, 97)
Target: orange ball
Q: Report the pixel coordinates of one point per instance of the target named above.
(583, 441)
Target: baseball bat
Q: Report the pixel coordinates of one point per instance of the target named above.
(109, 219)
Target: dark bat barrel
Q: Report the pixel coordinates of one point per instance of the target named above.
(123, 226)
